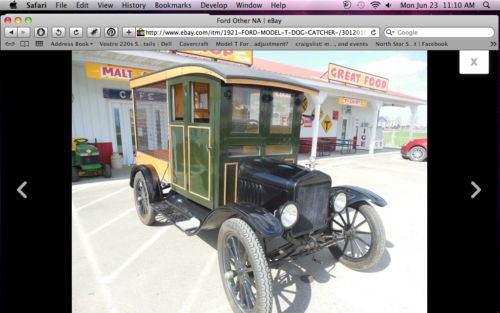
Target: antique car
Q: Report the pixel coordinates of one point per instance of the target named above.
(217, 148)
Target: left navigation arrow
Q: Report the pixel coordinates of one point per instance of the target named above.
(20, 189)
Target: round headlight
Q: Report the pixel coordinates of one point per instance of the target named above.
(340, 202)
(289, 214)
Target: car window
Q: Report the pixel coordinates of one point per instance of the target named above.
(281, 119)
(245, 110)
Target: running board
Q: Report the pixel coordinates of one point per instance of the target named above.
(183, 213)
(188, 225)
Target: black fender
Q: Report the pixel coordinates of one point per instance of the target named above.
(263, 222)
(358, 194)
(152, 181)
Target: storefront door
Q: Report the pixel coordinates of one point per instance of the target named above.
(347, 127)
(343, 129)
(124, 138)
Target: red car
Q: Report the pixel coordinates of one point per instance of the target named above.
(415, 150)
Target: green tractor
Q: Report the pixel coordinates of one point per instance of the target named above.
(85, 160)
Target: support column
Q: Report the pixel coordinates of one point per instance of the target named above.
(376, 108)
(317, 101)
(413, 119)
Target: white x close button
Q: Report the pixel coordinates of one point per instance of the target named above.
(474, 62)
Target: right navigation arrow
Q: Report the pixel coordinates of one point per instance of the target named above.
(478, 190)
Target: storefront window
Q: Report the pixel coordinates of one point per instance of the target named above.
(200, 103)
(281, 119)
(245, 110)
(151, 119)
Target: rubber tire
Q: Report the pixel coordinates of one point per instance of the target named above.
(149, 217)
(107, 171)
(257, 258)
(74, 174)
(376, 251)
(424, 154)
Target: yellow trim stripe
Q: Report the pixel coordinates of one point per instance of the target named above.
(183, 157)
(235, 181)
(172, 73)
(209, 161)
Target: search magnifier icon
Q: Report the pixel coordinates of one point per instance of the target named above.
(486, 4)
(389, 32)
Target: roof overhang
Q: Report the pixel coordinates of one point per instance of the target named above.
(333, 89)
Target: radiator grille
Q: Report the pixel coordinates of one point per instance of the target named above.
(313, 208)
(249, 191)
(91, 159)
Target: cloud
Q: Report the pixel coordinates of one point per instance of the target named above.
(394, 66)
(404, 74)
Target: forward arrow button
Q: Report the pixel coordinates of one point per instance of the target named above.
(478, 190)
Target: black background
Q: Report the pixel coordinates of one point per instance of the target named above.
(463, 242)
(35, 145)
(35, 134)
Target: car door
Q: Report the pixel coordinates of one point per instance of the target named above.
(192, 137)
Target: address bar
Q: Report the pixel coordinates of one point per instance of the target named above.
(474, 32)
(339, 32)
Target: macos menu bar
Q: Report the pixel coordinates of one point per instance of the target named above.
(250, 5)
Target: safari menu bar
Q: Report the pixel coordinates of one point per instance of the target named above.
(250, 5)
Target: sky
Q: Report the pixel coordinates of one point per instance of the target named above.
(406, 71)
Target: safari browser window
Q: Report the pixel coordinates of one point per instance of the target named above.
(249, 156)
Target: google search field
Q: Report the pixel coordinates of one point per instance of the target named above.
(433, 32)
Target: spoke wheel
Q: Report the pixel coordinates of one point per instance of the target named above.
(245, 274)
(142, 205)
(363, 237)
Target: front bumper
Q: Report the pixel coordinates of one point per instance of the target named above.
(404, 152)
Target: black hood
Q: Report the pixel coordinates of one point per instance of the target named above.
(270, 182)
(280, 174)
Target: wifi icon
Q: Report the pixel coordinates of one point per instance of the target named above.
(375, 4)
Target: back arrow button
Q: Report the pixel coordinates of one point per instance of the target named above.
(20, 190)
(478, 190)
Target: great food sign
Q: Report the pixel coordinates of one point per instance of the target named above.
(349, 76)
(113, 72)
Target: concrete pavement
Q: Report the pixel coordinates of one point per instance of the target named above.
(121, 265)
